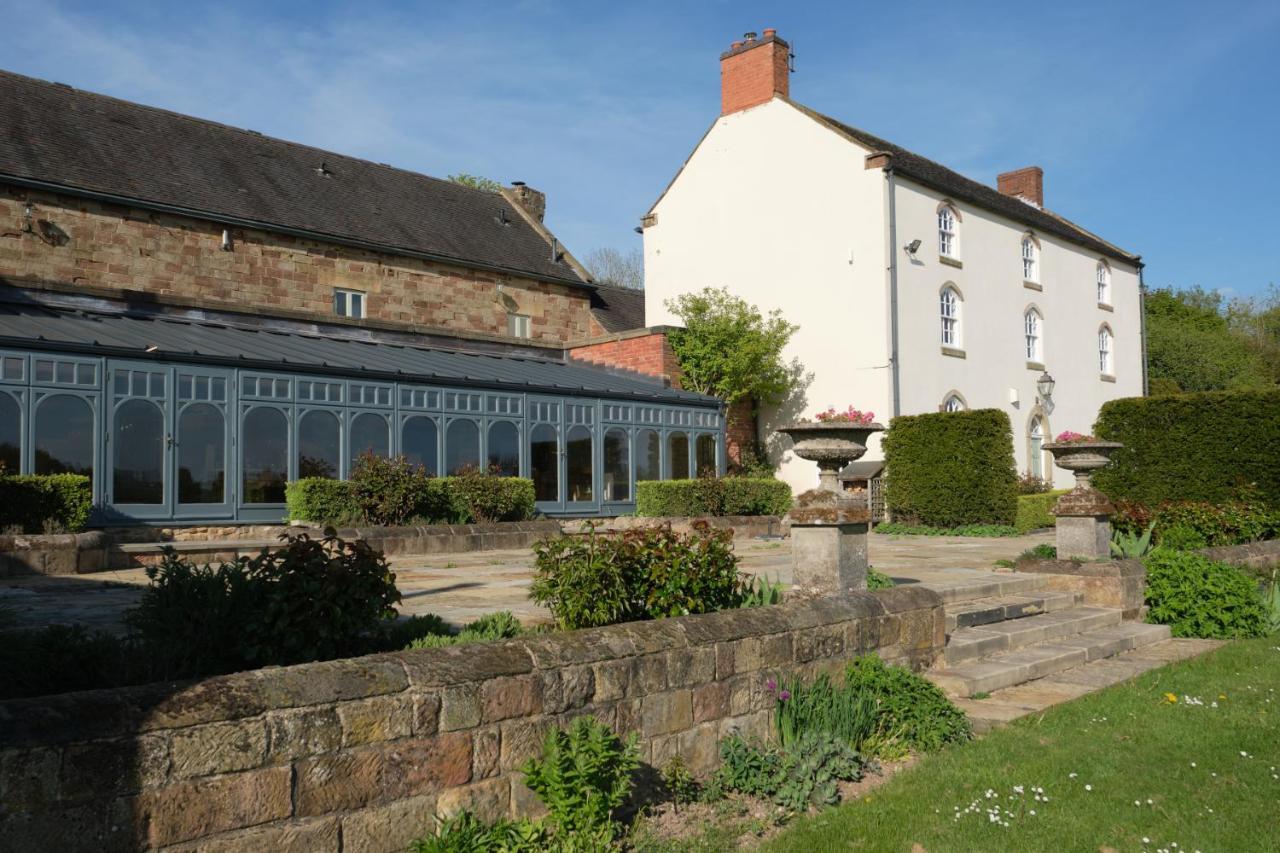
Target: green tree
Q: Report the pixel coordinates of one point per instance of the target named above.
(727, 348)
(476, 182)
(1191, 342)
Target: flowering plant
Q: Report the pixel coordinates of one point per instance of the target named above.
(848, 416)
(1069, 437)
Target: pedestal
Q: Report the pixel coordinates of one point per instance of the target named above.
(828, 544)
(1083, 525)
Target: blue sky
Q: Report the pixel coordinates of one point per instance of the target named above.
(1157, 125)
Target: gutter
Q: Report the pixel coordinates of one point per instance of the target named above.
(892, 269)
(302, 233)
(1142, 327)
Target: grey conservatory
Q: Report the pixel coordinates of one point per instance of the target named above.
(181, 420)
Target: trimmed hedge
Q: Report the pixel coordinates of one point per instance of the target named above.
(1033, 511)
(45, 503)
(711, 496)
(949, 469)
(441, 500)
(1192, 447)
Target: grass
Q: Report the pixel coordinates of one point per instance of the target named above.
(1116, 767)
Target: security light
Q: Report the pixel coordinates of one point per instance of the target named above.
(912, 247)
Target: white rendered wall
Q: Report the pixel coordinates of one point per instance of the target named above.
(782, 212)
(995, 298)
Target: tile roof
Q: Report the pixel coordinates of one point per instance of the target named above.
(960, 188)
(202, 341)
(619, 309)
(89, 143)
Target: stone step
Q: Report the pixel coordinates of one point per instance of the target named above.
(1047, 657)
(985, 611)
(1010, 703)
(967, 644)
(990, 585)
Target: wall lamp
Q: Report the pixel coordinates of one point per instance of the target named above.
(1044, 385)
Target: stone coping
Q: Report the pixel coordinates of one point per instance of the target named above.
(1266, 553)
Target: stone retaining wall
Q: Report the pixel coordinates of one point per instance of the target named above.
(360, 754)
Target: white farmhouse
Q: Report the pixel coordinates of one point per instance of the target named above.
(915, 288)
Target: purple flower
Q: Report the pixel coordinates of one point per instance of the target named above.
(784, 695)
(771, 684)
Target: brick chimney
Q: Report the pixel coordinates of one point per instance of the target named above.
(1026, 184)
(753, 70)
(533, 201)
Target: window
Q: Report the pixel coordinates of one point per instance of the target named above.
(1104, 352)
(648, 456)
(202, 445)
(264, 457)
(950, 310)
(370, 433)
(461, 447)
(617, 465)
(948, 240)
(544, 459)
(319, 444)
(1035, 441)
(137, 470)
(577, 464)
(1104, 283)
(418, 443)
(705, 450)
(678, 456)
(348, 303)
(10, 434)
(1032, 332)
(1030, 259)
(64, 435)
(518, 326)
(504, 449)
(953, 403)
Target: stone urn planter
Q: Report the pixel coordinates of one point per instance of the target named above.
(831, 444)
(1083, 514)
(1082, 458)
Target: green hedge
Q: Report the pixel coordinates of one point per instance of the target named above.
(45, 503)
(948, 469)
(1198, 447)
(441, 500)
(710, 496)
(1033, 511)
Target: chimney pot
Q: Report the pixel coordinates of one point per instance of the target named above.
(533, 201)
(770, 32)
(749, 36)
(753, 72)
(1026, 184)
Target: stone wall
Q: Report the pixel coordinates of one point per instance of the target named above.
(129, 250)
(360, 754)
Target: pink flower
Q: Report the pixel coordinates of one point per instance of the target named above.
(1069, 437)
(849, 415)
(771, 684)
(784, 695)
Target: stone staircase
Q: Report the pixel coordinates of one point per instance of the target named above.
(1020, 647)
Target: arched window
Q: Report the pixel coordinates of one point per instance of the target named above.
(137, 470)
(1033, 334)
(418, 443)
(948, 236)
(63, 433)
(648, 455)
(319, 444)
(1030, 259)
(1104, 283)
(577, 464)
(202, 465)
(461, 446)
(1035, 446)
(705, 452)
(678, 456)
(504, 449)
(1104, 351)
(953, 403)
(617, 465)
(370, 433)
(949, 302)
(10, 434)
(544, 463)
(264, 455)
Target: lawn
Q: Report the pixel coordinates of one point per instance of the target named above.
(1123, 769)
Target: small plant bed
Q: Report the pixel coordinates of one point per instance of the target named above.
(1185, 754)
(894, 528)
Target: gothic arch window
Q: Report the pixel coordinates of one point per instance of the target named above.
(1104, 283)
(1030, 258)
(1033, 334)
(948, 231)
(954, 402)
(949, 310)
(1106, 347)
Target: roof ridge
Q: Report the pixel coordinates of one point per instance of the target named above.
(257, 134)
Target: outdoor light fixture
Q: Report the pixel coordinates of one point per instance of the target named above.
(912, 247)
(1045, 385)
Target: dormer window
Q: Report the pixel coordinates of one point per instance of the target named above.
(348, 303)
(1104, 283)
(948, 236)
(1030, 259)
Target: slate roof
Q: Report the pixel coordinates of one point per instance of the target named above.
(960, 188)
(179, 339)
(619, 309)
(87, 143)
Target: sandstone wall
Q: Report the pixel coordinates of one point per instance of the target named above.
(360, 754)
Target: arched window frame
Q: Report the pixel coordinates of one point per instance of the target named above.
(948, 231)
(1030, 258)
(1106, 350)
(950, 315)
(1033, 334)
(1103, 275)
(954, 401)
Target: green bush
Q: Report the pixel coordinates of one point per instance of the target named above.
(1197, 597)
(1198, 447)
(910, 710)
(309, 600)
(583, 776)
(948, 469)
(877, 579)
(501, 625)
(712, 496)
(392, 492)
(895, 528)
(491, 497)
(1199, 524)
(646, 573)
(322, 500)
(806, 773)
(466, 833)
(1033, 511)
(45, 503)
(388, 491)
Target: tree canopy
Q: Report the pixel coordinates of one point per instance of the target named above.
(1195, 342)
(727, 348)
(619, 269)
(476, 182)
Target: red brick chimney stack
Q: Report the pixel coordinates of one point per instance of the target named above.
(1026, 184)
(753, 70)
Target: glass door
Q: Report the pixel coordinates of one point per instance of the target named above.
(544, 454)
(201, 445)
(139, 481)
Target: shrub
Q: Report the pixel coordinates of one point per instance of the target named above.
(501, 625)
(951, 468)
(388, 491)
(646, 573)
(878, 580)
(804, 774)
(1197, 597)
(1199, 447)
(583, 775)
(909, 709)
(491, 497)
(712, 496)
(895, 528)
(1198, 524)
(322, 501)
(1033, 511)
(465, 833)
(309, 600)
(45, 503)
(1030, 484)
